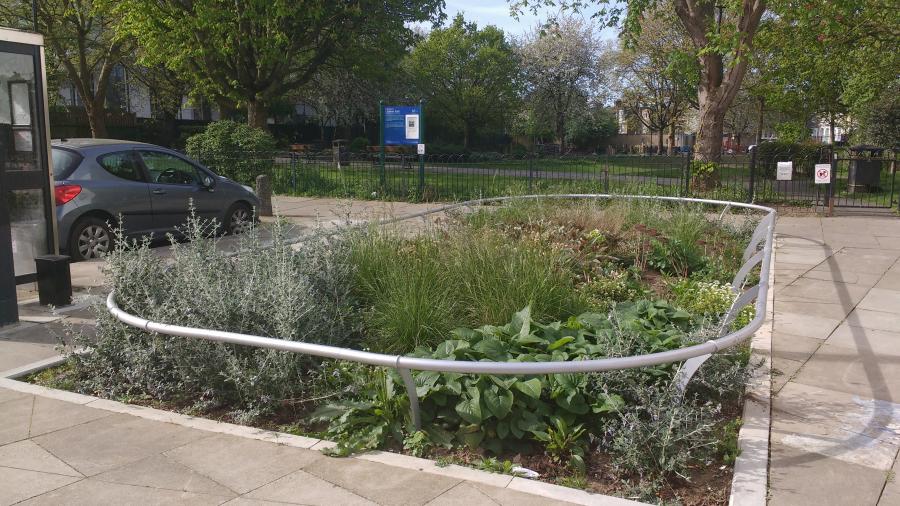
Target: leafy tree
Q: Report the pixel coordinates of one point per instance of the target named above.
(591, 127)
(80, 39)
(831, 61)
(468, 76)
(721, 45)
(804, 78)
(166, 92)
(346, 94)
(742, 117)
(560, 71)
(881, 119)
(251, 52)
(657, 76)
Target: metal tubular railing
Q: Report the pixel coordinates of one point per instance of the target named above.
(693, 356)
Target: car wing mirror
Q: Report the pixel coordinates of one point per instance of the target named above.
(208, 182)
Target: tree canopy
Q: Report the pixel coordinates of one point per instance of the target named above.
(254, 51)
(468, 76)
(559, 66)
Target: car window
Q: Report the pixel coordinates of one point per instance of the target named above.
(64, 163)
(121, 164)
(169, 169)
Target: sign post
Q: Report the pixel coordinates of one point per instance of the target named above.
(822, 175)
(403, 125)
(420, 149)
(381, 173)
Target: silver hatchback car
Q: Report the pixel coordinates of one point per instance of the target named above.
(150, 187)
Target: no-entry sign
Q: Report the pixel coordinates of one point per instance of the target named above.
(823, 173)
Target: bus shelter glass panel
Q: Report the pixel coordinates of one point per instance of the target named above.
(21, 159)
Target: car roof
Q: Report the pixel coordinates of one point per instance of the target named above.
(85, 142)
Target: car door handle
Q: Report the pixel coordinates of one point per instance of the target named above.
(158, 191)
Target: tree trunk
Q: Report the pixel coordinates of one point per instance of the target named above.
(96, 114)
(226, 108)
(659, 138)
(717, 88)
(709, 133)
(256, 114)
(466, 135)
(169, 130)
(561, 132)
(672, 139)
(831, 127)
(759, 120)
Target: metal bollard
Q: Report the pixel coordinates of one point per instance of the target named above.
(264, 192)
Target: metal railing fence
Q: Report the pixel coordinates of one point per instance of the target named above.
(693, 356)
(742, 177)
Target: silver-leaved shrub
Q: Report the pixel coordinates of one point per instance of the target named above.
(298, 292)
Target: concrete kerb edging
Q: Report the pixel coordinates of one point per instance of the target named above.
(538, 488)
(750, 482)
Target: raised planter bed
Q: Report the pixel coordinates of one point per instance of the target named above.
(600, 431)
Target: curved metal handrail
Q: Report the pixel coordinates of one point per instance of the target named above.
(695, 355)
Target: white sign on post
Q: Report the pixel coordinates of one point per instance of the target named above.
(420, 149)
(823, 173)
(785, 171)
(412, 126)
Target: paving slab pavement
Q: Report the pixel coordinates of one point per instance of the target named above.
(66, 452)
(835, 431)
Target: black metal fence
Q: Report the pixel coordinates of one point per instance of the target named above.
(743, 178)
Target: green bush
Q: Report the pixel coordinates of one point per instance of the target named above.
(358, 145)
(612, 287)
(709, 299)
(269, 291)
(442, 148)
(507, 412)
(235, 150)
(804, 155)
(660, 434)
(792, 132)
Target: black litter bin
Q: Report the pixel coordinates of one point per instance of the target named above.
(865, 168)
(54, 280)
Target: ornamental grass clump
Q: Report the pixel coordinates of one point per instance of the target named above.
(416, 291)
(297, 293)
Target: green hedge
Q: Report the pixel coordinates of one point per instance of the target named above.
(804, 156)
(235, 150)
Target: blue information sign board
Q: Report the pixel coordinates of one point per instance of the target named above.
(401, 124)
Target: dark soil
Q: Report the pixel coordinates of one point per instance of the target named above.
(709, 485)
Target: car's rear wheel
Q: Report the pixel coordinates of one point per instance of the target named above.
(91, 238)
(239, 219)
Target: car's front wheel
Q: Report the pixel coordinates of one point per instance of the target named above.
(239, 219)
(91, 238)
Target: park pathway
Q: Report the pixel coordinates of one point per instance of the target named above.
(836, 359)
